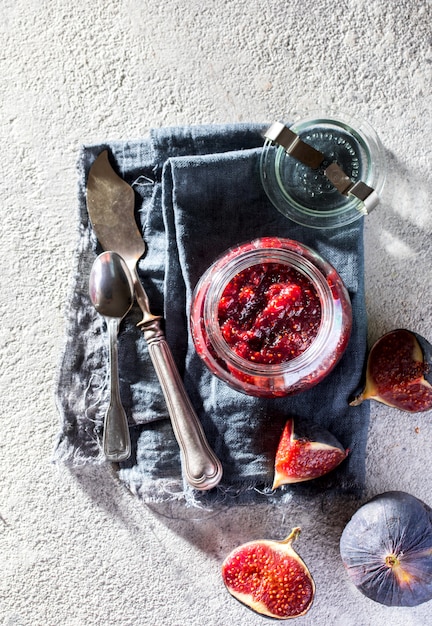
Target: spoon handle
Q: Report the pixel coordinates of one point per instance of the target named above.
(116, 437)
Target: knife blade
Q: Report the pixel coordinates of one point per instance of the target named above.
(111, 209)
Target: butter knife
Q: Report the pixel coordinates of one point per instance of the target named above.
(110, 205)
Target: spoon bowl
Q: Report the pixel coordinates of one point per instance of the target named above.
(111, 292)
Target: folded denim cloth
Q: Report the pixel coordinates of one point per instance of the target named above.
(198, 192)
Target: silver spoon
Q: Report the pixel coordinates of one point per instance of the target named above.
(111, 292)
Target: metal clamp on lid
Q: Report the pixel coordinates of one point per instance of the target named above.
(294, 146)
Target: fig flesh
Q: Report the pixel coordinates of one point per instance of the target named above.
(399, 372)
(386, 549)
(301, 457)
(270, 578)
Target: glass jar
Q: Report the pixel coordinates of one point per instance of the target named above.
(270, 317)
(306, 195)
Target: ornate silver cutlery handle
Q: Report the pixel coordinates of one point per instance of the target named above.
(202, 468)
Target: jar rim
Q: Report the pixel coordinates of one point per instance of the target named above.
(249, 258)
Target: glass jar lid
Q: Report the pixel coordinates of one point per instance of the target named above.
(323, 171)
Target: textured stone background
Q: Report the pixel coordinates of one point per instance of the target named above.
(78, 550)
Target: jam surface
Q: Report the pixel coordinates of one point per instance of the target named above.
(269, 313)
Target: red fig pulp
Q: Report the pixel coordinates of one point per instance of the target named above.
(399, 372)
(300, 458)
(270, 578)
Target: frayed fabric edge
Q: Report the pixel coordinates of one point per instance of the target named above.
(168, 490)
(65, 454)
(165, 491)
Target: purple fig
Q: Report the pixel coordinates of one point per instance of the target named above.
(386, 549)
(399, 372)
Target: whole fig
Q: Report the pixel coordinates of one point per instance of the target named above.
(399, 372)
(305, 455)
(270, 577)
(386, 548)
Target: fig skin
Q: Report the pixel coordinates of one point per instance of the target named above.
(399, 372)
(301, 457)
(270, 578)
(386, 549)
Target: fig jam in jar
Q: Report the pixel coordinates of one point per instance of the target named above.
(270, 317)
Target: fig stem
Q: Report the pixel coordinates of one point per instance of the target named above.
(391, 560)
(357, 400)
(293, 535)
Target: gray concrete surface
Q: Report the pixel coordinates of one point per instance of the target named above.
(78, 550)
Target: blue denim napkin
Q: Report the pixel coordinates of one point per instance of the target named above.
(198, 192)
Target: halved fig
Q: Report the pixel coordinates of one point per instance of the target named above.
(399, 372)
(270, 578)
(304, 456)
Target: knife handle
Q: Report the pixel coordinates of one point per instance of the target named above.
(202, 468)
